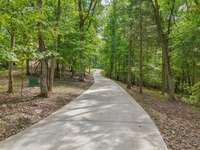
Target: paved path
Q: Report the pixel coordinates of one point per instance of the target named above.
(103, 118)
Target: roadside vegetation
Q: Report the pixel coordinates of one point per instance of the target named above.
(178, 122)
(152, 48)
(46, 53)
(17, 112)
(155, 44)
(47, 50)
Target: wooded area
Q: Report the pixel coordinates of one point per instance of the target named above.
(148, 45)
(154, 43)
(50, 36)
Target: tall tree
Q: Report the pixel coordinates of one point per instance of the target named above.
(141, 48)
(164, 39)
(113, 39)
(130, 46)
(42, 48)
(10, 64)
(57, 42)
(86, 11)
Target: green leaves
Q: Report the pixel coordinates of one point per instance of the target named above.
(195, 97)
(7, 56)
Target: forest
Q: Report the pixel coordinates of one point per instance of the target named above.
(145, 44)
(154, 44)
(50, 34)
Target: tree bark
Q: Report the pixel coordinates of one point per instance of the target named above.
(53, 59)
(130, 47)
(130, 59)
(51, 74)
(10, 78)
(165, 50)
(44, 62)
(27, 68)
(113, 44)
(81, 29)
(10, 64)
(82, 68)
(141, 51)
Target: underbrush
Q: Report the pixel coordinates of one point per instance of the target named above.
(178, 122)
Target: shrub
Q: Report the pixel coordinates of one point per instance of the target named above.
(195, 97)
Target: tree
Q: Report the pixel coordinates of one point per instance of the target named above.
(130, 47)
(57, 42)
(141, 49)
(11, 22)
(164, 39)
(85, 13)
(10, 64)
(42, 48)
(169, 61)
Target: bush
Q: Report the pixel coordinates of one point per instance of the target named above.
(195, 97)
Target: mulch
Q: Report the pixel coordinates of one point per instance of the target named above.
(18, 113)
(178, 122)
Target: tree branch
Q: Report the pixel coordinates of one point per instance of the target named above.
(92, 14)
(91, 8)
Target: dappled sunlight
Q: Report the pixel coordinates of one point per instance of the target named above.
(103, 118)
(88, 135)
(96, 90)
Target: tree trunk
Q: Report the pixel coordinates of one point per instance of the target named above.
(10, 65)
(44, 63)
(129, 60)
(51, 74)
(43, 79)
(27, 68)
(82, 68)
(10, 78)
(165, 49)
(53, 59)
(113, 44)
(81, 29)
(141, 50)
(164, 88)
(23, 75)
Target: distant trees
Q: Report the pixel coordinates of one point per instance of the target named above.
(10, 22)
(157, 60)
(143, 43)
(53, 34)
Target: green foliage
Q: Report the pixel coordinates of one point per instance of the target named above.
(183, 31)
(195, 97)
(107, 33)
(6, 55)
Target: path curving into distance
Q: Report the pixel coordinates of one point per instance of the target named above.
(104, 117)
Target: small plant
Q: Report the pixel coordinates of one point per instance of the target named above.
(195, 97)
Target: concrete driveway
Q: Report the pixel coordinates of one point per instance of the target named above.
(103, 118)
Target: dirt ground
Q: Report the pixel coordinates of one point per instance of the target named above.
(178, 122)
(18, 113)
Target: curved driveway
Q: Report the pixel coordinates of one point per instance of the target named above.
(103, 118)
